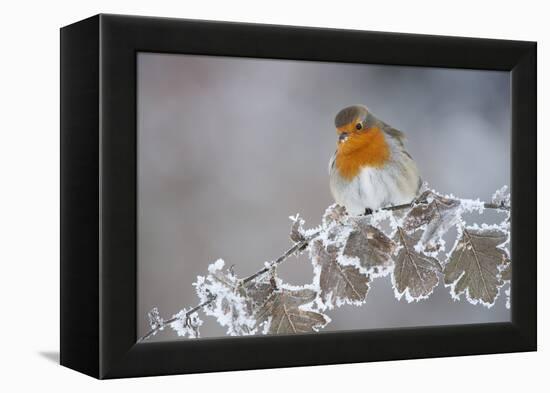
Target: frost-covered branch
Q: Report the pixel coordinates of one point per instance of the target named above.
(158, 324)
(292, 250)
(347, 253)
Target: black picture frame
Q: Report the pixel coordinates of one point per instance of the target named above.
(98, 195)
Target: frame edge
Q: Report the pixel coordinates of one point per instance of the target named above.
(524, 189)
(79, 196)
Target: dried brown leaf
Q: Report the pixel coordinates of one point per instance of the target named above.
(414, 273)
(439, 216)
(227, 305)
(473, 266)
(256, 292)
(334, 214)
(297, 230)
(339, 284)
(370, 245)
(234, 302)
(285, 314)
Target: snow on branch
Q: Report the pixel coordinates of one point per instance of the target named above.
(348, 252)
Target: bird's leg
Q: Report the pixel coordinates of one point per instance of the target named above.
(368, 211)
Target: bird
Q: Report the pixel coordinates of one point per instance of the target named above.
(370, 169)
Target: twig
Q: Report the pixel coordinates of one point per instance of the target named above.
(289, 252)
(498, 206)
(487, 205)
(152, 332)
(401, 207)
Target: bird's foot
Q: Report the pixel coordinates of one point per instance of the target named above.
(368, 211)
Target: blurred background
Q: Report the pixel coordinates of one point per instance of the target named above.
(228, 148)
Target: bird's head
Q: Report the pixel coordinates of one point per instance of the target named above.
(351, 122)
(361, 141)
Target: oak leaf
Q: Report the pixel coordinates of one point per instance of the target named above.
(256, 292)
(439, 215)
(284, 312)
(415, 274)
(473, 266)
(334, 214)
(370, 245)
(339, 284)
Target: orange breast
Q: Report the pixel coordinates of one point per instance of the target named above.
(364, 149)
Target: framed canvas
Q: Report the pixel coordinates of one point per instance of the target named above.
(186, 145)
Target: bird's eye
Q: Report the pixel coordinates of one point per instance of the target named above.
(359, 126)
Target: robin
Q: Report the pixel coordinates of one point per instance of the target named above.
(371, 168)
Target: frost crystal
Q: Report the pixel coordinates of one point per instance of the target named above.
(228, 305)
(297, 233)
(186, 325)
(472, 205)
(155, 320)
(502, 197)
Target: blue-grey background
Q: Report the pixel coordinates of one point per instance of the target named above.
(228, 148)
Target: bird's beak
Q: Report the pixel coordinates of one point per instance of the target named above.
(343, 136)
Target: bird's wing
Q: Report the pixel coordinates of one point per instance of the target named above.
(399, 136)
(394, 133)
(331, 163)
